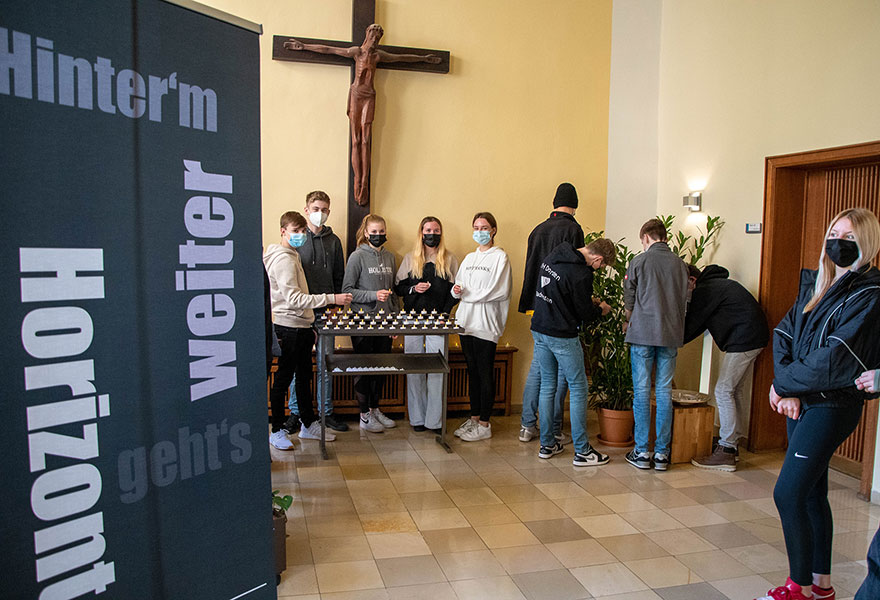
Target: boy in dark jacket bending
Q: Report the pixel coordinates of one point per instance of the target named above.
(739, 327)
(563, 300)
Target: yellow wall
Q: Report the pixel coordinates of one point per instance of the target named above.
(524, 107)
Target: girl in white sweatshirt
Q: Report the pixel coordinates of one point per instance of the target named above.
(483, 285)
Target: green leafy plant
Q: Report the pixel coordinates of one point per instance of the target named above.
(280, 503)
(606, 353)
(691, 248)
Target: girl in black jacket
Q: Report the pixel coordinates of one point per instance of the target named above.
(827, 339)
(424, 281)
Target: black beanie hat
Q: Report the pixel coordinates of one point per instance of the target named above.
(566, 195)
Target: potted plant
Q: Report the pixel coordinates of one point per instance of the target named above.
(607, 356)
(280, 504)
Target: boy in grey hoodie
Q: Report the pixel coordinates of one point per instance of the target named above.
(293, 316)
(369, 278)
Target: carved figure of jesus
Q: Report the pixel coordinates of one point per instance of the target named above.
(362, 97)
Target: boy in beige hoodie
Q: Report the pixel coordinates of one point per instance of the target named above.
(293, 317)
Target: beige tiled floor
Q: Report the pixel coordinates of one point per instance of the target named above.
(393, 516)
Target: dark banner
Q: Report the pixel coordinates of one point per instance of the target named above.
(135, 455)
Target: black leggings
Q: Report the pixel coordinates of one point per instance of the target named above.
(296, 357)
(479, 355)
(801, 492)
(367, 388)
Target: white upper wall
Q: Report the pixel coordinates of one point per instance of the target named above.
(632, 117)
(740, 81)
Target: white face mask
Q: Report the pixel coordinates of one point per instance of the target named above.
(318, 218)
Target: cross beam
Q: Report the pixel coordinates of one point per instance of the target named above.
(363, 15)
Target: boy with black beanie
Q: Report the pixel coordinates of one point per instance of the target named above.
(559, 227)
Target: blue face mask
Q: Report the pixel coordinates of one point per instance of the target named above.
(482, 237)
(297, 239)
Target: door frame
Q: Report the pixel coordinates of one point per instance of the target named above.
(785, 189)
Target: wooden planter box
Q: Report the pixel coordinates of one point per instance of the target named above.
(692, 428)
(393, 398)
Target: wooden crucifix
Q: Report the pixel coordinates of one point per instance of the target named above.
(366, 53)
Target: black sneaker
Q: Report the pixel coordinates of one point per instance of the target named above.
(292, 424)
(335, 425)
(640, 460)
(661, 462)
(419, 428)
(548, 451)
(592, 458)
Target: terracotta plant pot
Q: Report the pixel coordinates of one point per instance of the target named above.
(616, 427)
(279, 532)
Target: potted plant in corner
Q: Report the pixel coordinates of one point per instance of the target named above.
(607, 355)
(280, 504)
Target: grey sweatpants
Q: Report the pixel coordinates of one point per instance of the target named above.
(733, 409)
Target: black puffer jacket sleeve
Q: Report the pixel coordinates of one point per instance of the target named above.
(837, 344)
(783, 334)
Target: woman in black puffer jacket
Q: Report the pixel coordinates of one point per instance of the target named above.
(827, 339)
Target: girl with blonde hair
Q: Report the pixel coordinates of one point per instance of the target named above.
(424, 281)
(824, 343)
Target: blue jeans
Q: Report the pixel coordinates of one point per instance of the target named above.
(566, 357)
(532, 391)
(328, 408)
(643, 359)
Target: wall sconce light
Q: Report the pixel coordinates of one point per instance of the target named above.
(694, 201)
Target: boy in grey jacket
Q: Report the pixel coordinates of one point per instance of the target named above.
(655, 299)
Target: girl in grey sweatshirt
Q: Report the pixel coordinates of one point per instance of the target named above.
(369, 278)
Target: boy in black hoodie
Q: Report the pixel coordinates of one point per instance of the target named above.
(563, 300)
(323, 264)
(739, 327)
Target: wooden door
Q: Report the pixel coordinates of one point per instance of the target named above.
(803, 192)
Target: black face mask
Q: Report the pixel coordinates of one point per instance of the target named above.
(431, 240)
(842, 253)
(377, 239)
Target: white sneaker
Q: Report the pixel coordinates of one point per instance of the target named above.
(563, 438)
(369, 423)
(313, 432)
(279, 440)
(466, 426)
(526, 434)
(386, 422)
(475, 434)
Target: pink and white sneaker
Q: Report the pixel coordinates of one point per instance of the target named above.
(789, 591)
